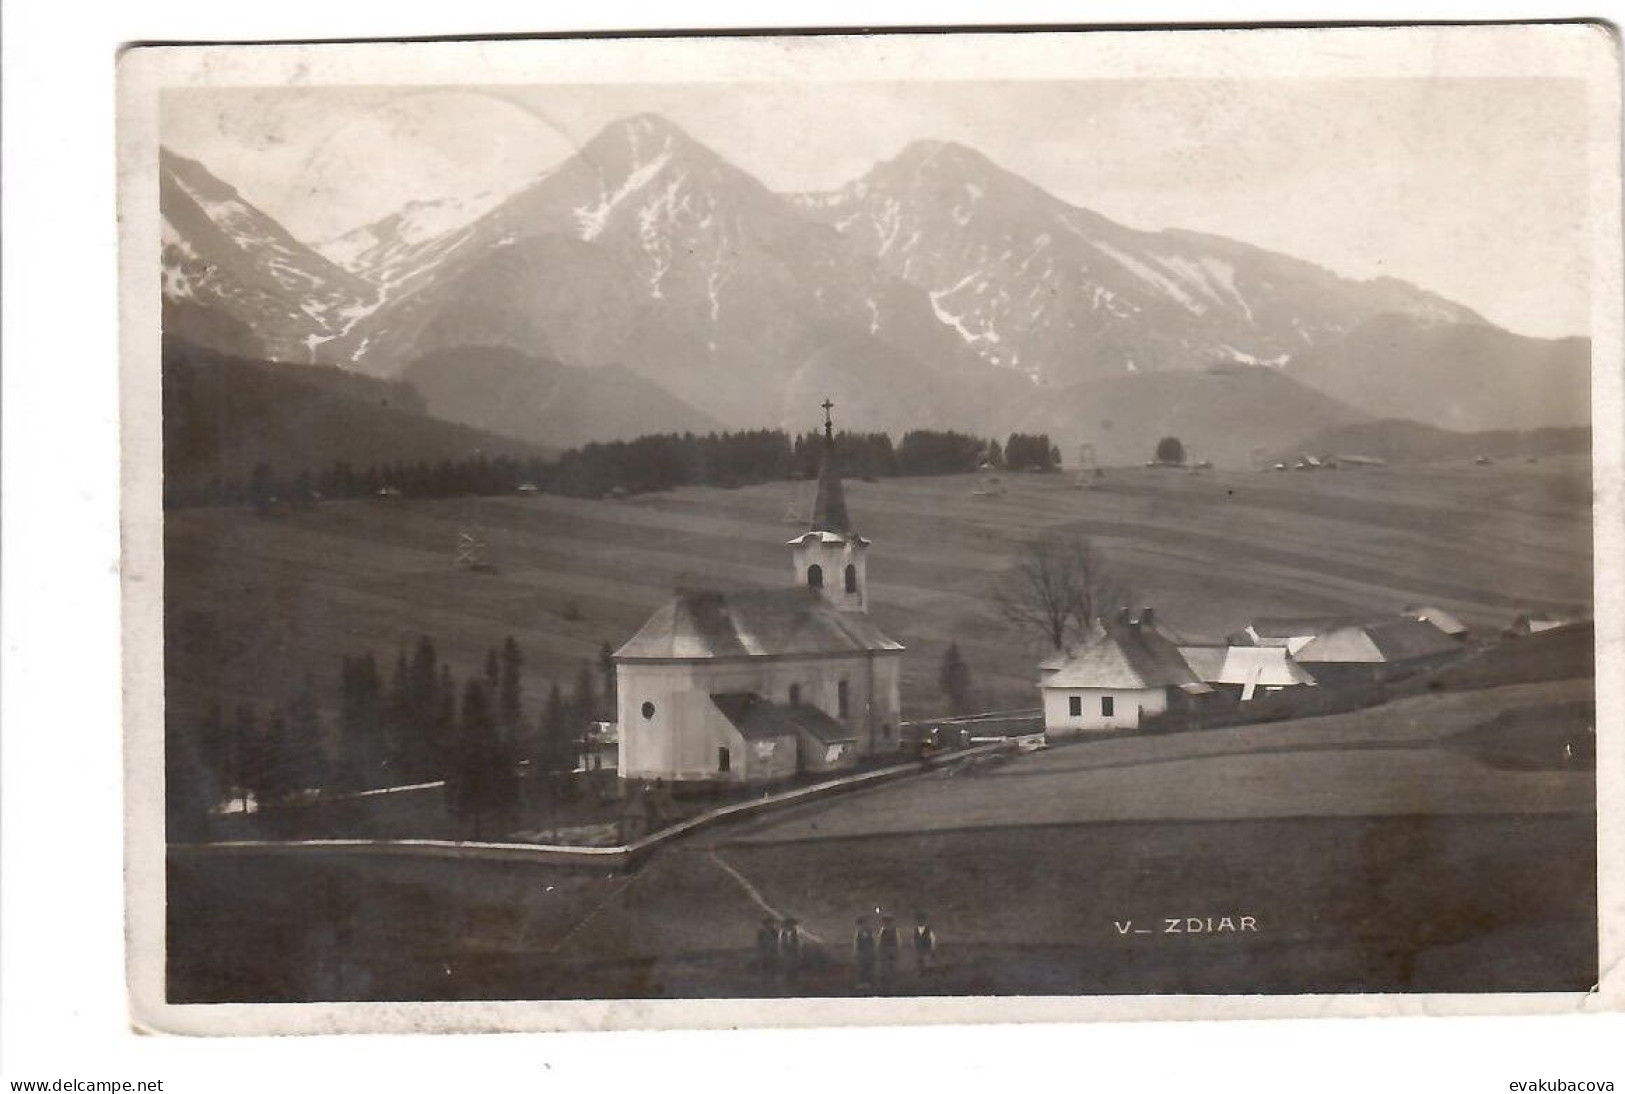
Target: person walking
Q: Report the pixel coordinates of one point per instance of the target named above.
(863, 954)
(925, 944)
(887, 944)
(767, 947)
(790, 951)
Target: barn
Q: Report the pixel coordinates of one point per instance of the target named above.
(1371, 653)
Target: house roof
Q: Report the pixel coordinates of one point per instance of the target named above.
(757, 718)
(1121, 655)
(1440, 618)
(1391, 640)
(1275, 630)
(1263, 666)
(708, 624)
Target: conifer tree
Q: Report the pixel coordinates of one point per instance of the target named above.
(510, 706)
(583, 711)
(606, 666)
(953, 677)
(302, 751)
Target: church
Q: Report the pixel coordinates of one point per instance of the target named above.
(754, 686)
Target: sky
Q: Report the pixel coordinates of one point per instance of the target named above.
(1473, 188)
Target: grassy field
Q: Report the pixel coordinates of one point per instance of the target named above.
(1377, 851)
(254, 602)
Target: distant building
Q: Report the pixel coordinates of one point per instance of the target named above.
(1246, 671)
(1374, 652)
(1446, 623)
(1292, 633)
(1525, 623)
(1122, 671)
(753, 686)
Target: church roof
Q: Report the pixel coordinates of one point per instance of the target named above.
(705, 624)
(757, 718)
(829, 504)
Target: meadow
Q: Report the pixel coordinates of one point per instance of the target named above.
(1380, 850)
(253, 602)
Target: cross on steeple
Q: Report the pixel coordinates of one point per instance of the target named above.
(829, 426)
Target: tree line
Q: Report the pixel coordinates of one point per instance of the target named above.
(650, 463)
(414, 724)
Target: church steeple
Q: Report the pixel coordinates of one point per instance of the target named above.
(829, 557)
(829, 504)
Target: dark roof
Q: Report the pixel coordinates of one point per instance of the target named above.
(754, 717)
(1298, 626)
(813, 721)
(1122, 655)
(829, 504)
(1408, 639)
(1388, 641)
(704, 624)
(757, 718)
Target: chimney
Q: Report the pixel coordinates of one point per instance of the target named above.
(1146, 618)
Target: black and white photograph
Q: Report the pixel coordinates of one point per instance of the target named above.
(787, 520)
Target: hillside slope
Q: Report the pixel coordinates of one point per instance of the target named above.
(1402, 441)
(223, 415)
(254, 603)
(545, 402)
(1462, 376)
(1223, 414)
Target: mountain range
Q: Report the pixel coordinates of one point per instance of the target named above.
(647, 281)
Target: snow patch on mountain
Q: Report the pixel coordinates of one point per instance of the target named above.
(1213, 277)
(592, 218)
(1157, 279)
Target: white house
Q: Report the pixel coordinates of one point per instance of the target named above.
(756, 685)
(1122, 671)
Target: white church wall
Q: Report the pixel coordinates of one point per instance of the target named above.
(680, 736)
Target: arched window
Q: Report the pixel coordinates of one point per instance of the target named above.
(843, 699)
(815, 576)
(851, 578)
(795, 695)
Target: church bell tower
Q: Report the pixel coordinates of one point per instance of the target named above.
(829, 557)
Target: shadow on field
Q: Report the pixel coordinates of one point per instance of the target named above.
(1397, 904)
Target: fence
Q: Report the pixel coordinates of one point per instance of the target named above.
(613, 858)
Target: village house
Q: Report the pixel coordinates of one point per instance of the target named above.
(753, 686)
(1375, 652)
(1244, 672)
(1447, 624)
(1122, 671)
